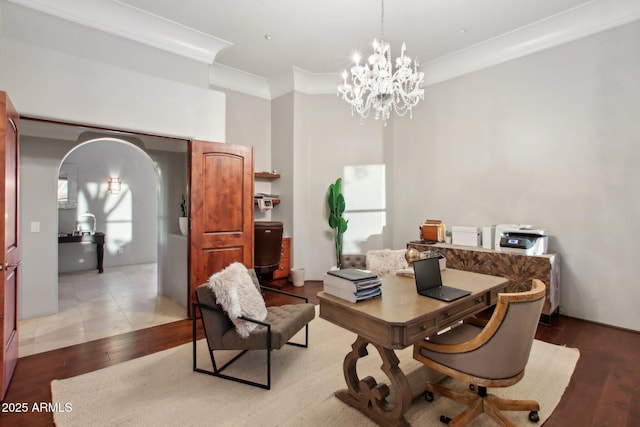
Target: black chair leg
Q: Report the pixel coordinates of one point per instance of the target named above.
(217, 372)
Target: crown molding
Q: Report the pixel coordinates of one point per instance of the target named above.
(300, 80)
(282, 84)
(230, 78)
(131, 23)
(122, 20)
(580, 21)
(315, 83)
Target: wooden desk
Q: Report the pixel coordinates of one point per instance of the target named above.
(97, 239)
(520, 269)
(398, 319)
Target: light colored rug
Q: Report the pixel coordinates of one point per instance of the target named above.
(162, 390)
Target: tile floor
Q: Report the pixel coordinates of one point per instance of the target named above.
(92, 306)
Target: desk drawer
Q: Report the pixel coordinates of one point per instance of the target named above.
(421, 329)
(460, 310)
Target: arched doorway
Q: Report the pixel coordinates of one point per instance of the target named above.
(127, 214)
(125, 297)
(44, 147)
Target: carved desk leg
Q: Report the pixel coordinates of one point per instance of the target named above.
(370, 397)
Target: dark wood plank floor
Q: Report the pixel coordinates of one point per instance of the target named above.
(604, 390)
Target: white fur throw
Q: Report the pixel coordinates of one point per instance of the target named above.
(238, 296)
(385, 262)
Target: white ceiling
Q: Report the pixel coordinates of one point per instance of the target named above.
(311, 42)
(320, 36)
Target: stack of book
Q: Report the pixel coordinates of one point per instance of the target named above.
(352, 284)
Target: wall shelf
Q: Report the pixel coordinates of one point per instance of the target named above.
(266, 175)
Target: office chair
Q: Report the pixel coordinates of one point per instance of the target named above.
(267, 248)
(493, 356)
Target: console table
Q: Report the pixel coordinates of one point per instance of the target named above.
(518, 268)
(97, 239)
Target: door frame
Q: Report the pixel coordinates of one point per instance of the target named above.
(116, 134)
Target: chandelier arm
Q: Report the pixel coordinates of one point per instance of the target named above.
(381, 19)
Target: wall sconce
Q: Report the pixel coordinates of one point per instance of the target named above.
(114, 185)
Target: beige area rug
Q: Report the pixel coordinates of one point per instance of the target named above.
(162, 390)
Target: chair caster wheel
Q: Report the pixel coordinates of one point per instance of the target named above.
(534, 417)
(428, 396)
(445, 420)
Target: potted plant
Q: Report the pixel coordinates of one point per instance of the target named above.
(183, 221)
(338, 224)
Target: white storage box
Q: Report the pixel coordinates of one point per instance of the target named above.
(488, 234)
(467, 236)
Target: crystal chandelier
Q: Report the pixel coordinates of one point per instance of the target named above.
(375, 85)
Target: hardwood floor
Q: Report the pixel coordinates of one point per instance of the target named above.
(604, 390)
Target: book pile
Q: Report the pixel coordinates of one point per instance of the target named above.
(352, 284)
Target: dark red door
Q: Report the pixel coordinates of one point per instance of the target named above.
(9, 261)
(221, 209)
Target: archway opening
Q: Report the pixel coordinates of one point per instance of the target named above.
(127, 295)
(126, 213)
(45, 146)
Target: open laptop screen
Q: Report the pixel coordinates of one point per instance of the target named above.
(427, 272)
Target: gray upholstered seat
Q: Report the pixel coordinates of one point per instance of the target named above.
(281, 324)
(353, 261)
(383, 262)
(492, 356)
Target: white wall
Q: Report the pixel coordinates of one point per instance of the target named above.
(326, 140)
(282, 160)
(550, 139)
(38, 274)
(249, 123)
(53, 85)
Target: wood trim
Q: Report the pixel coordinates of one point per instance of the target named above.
(266, 175)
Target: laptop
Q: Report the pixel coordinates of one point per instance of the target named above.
(429, 281)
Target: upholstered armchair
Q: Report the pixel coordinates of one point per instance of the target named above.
(491, 356)
(222, 332)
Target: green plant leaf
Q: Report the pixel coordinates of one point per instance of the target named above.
(338, 186)
(334, 221)
(331, 197)
(340, 205)
(342, 225)
(337, 206)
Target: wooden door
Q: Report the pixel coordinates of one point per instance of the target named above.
(221, 209)
(9, 261)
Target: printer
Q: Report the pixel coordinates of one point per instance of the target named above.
(521, 239)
